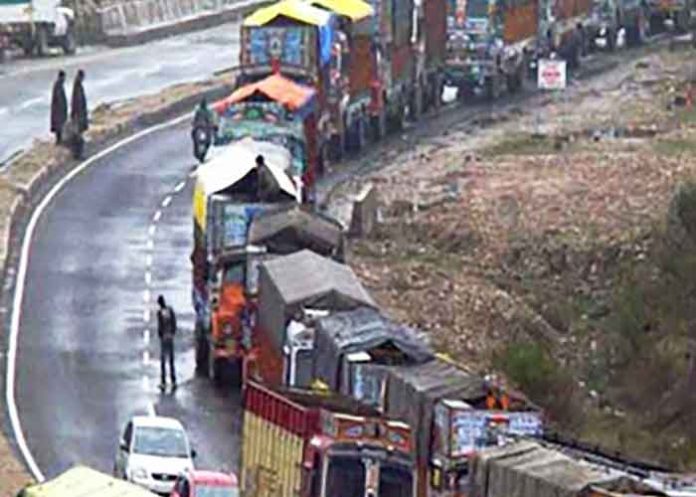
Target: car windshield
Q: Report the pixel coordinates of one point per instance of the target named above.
(216, 491)
(153, 441)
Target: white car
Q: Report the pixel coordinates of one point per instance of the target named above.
(152, 452)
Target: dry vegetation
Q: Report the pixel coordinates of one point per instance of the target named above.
(563, 261)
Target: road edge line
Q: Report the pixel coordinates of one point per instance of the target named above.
(18, 296)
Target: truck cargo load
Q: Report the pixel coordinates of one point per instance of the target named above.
(317, 444)
(345, 340)
(286, 286)
(528, 469)
(433, 397)
(277, 110)
(81, 481)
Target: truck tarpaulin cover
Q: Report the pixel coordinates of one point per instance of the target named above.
(80, 481)
(288, 229)
(526, 469)
(301, 12)
(412, 393)
(353, 9)
(298, 98)
(305, 279)
(361, 330)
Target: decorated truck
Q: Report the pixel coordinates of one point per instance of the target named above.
(487, 45)
(303, 443)
(294, 288)
(678, 11)
(296, 39)
(609, 17)
(227, 196)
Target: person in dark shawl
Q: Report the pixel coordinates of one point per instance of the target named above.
(59, 107)
(78, 115)
(78, 107)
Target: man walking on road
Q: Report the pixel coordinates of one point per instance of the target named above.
(166, 329)
(78, 114)
(59, 107)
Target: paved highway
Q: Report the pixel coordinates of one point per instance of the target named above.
(111, 75)
(116, 236)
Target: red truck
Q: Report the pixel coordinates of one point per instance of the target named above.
(303, 443)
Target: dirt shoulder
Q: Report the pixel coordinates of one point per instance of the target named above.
(516, 244)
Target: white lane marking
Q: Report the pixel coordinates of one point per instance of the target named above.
(146, 383)
(30, 103)
(150, 245)
(157, 216)
(179, 187)
(151, 409)
(146, 315)
(152, 229)
(4, 110)
(146, 337)
(146, 357)
(167, 200)
(148, 278)
(192, 174)
(148, 261)
(146, 296)
(21, 282)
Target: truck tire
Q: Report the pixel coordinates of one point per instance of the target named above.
(638, 33)
(202, 351)
(215, 369)
(681, 22)
(416, 105)
(379, 126)
(69, 43)
(3, 56)
(611, 40)
(41, 41)
(492, 87)
(28, 46)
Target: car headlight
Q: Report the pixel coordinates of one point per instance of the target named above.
(139, 473)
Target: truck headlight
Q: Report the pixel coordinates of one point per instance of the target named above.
(602, 31)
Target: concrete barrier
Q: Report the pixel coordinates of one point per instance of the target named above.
(138, 21)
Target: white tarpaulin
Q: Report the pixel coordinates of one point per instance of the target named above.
(233, 162)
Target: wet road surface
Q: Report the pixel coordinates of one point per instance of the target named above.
(111, 75)
(88, 356)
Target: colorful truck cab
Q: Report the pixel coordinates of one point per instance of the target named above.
(303, 443)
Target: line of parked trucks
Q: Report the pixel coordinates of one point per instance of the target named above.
(338, 399)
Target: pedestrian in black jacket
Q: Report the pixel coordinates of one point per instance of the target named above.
(166, 329)
(59, 107)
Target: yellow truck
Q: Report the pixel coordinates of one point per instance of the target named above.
(81, 481)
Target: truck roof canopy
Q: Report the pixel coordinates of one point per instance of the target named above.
(305, 276)
(81, 481)
(529, 469)
(234, 162)
(364, 330)
(356, 10)
(291, 228)
(292, 9)
(294, 96)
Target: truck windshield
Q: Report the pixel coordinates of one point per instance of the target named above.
(345, 477)
(395, 481)
(477, 8)
(234, 273)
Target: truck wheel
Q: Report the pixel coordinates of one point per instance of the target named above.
(611, 40)
(657, 23)
(396, 121)
(28, 46)
(682, 21)
(215, 368)
(69, 43)
(41, 41)
(202, 351)
(3, 56)
(416, 105)
(379, 125)
(492, 89)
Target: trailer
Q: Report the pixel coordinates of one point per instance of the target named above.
(84, 482)
(301, 283)
(36, 25)
(529, 469)
(314, 444)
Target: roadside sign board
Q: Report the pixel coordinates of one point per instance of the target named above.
(552, 74)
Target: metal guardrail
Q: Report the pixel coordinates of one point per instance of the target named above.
(136, 15)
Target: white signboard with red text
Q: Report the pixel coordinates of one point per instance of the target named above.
(552, 74)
